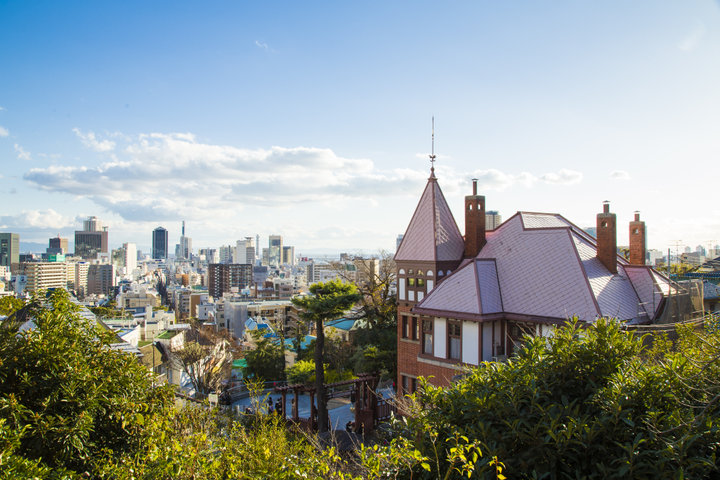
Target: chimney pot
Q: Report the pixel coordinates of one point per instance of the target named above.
(606, 206)
(474, 186)
(637, 216)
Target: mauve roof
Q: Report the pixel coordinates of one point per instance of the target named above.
(544, 266)
(432, 234)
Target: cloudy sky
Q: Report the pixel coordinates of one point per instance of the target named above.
(313, 119)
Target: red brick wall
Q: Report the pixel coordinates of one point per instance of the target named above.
(637, 241)
(607, 238)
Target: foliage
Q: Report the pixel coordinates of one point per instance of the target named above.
(585, 403)
(66, 396)
(206, 358)
(302, 371)
(327, 301)
(9, 304)
(376, 351)
(266, 361)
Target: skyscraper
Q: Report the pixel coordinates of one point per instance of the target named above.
(185, 250)
(160, 244)
(57, 245)
(224, 278)
(9, 249)
(92, 240)
(275, 249)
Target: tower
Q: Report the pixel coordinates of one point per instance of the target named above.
(431, 248)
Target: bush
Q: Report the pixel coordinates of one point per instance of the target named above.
(586, 403)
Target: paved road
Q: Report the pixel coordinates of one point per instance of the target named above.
(339, 409)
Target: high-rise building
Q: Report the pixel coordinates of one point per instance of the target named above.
(275, 249)
(288, 256)
(240, 254)
(57, 245)
(130, 257)
(225, 252)
(249, 250)
(223, 278)
(81, 277)
(101, 279)
(160, 244)
(185, 246)
(43, 275)
(92, 240)
(9, 249)
(492, 219)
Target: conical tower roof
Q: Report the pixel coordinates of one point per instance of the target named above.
(432, 234)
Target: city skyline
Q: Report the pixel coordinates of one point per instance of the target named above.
(312, 121)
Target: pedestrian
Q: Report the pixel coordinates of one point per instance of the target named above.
(270, 406)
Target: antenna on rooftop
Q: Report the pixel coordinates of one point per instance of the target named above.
(432, 151)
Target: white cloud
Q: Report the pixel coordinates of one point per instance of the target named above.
(90, 141)
(170, 176)
(4, 132)
(562, 177)
(2, 108)
(21, 153)
(263, 45)
(36, 219)
(620, 175)
(692, 39)
(157, 176)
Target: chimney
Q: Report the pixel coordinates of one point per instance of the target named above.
(607, 238)
(474, 222)
(638, 245)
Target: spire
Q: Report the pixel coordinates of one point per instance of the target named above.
(432, 151)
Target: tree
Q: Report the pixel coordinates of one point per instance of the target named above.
(327, 301)
(374, 278)
(267, 360)
(590, 403)
(206, 358)
(66, 396)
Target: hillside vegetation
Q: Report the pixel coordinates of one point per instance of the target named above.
(586, 403)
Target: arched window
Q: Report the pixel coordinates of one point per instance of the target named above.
(429, 273)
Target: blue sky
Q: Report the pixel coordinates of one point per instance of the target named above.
(312, 119)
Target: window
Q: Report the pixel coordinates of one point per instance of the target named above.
(411, 282)
(405, 385)
(411, 271)
(404, 326)
(415, 329)
(427, 332)
(420, 272)
(454, 340)
(420, 282)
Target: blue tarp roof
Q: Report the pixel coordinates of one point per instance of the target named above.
(341, 324)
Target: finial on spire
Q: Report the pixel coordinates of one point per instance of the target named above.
(432, 151)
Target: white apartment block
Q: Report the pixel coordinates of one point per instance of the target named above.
(43, 275)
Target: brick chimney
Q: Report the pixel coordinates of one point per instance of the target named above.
(637, 241)
(474, 222)
(607, 238)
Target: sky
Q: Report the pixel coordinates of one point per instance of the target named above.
(313, 119)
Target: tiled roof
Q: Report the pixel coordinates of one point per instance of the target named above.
(542, 265)
(710, 291)
(432, 234)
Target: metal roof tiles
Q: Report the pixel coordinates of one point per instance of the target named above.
(432, 234)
